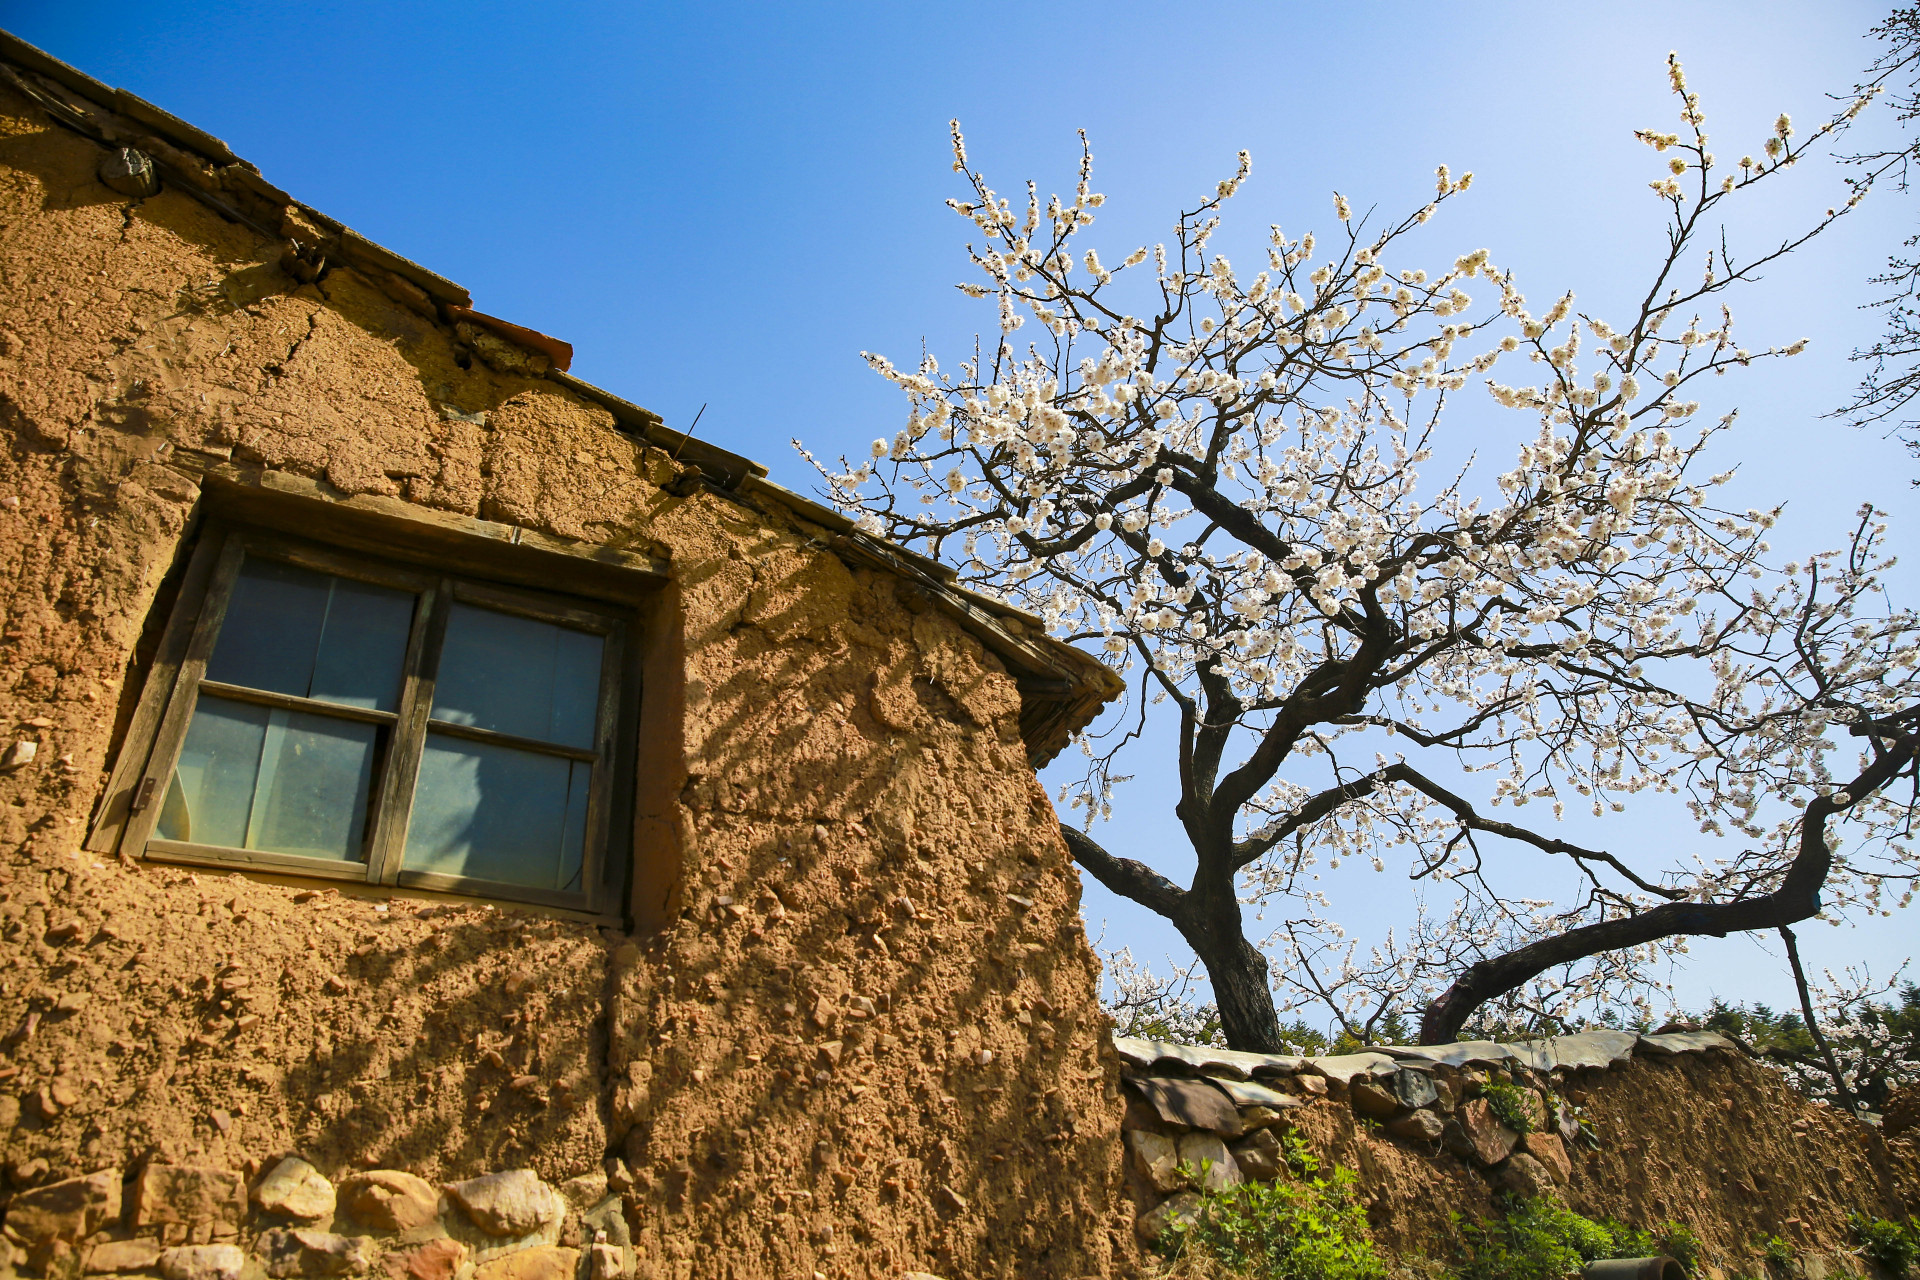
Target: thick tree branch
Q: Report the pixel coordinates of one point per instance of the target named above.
(1132, 880)
(1797, 898)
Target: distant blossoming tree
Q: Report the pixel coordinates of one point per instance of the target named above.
(1891, 382)
(1214, 481)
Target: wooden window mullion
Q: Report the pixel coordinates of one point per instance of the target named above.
(607, 711)
(393, 812)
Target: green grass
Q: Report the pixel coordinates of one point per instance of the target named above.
(1307, 1226)
(1894, 1246)
(1543, 1240)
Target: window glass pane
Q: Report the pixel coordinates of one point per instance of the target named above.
(283, 781)
(496, 813)
(212, 790)
(364, 645)
(515, 675)
(313, 635)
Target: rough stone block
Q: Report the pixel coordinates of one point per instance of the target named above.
(1476, 1134)
(69, 1210)
(300, 1252)
(1417, 1126)
(295, 1189)
(585, 1191)
(203, 1262)
(606, 1223)
(541, 1262)
(1183, 1206)
(513, 1203)
(390, 1199)
(1210, 1161)
(188, 1194)
(607, 1262)
(1550, 1151)
(1527, 1177)
(124, 1255)
(1259, 1156)
(435, 1260)
(1414, 1089)
(1157, 1157)
(1370, 1099)
(1252, 1118)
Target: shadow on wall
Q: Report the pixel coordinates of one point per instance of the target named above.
(231, 1019)
(876, 1013)
(496, 1069)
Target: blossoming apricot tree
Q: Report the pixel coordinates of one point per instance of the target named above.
(1215, 481)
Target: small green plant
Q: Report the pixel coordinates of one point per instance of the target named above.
(1508, 1102)
(1678, 1241)
(1544, 1240)
(1531, 1240)
(1297, 1154)
(1304, 1228)
(1894, 1246)
(1629, 1242)
(1777, 1254)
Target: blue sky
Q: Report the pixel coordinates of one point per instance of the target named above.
(723, 204)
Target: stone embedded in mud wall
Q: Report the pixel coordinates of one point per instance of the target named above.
(1417, 1126)
(390, 1198)
(1550, 1151)
(1525, 1177)
(295, 1189)
(124, 1255)
(66, 1210)
(1181, 1207)
(435, 1260)
(203, 1262)
(513, 1203)
(541, 1262)
(1207, 1156)
(1478, 1135)
(1157, 1157)
(298, 1251)
(1258, 1157)
(1370, 1099)
(186, 1194)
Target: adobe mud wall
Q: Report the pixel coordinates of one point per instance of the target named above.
(865, 1039)
(1641, 1129)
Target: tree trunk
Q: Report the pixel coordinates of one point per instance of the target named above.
(1242, 990)
(1244, 996)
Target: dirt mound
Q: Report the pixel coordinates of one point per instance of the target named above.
(1902, 1114)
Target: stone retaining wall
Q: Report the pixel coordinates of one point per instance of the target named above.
(1641, 1128)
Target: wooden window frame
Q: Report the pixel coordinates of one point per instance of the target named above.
(178, 677)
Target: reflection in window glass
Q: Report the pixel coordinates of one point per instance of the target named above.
(497, 813)
(313, 635)
(279, 781)
(514, 675)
